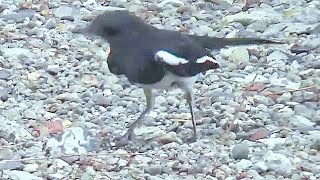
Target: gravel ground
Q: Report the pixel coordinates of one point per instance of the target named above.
(258, 116)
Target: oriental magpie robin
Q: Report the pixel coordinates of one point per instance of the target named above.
(158, 59)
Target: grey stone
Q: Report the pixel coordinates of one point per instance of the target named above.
(53, 69)
(31, 168)
(279, 163)
(304, 111)
(30, 114)
(101, 100)
(14, 174)
(63, 11)
(170, 137)
(20, 16)
(161, 100)
(153, 169)
(5, 74)
(50, 24)
(75, 140)
(260, 167)
(243, 164)
(303, 124)
(240, 151)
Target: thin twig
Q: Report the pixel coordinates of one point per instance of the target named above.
(66, 155)
(240, 107)
(290, 91)
(254, 79)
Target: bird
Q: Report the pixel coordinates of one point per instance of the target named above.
(158, 59)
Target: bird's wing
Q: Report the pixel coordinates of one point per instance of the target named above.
(184, 56)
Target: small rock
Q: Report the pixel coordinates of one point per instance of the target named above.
(90, 80)
(30, 114)
(56, 176)
(9, 165)
(53, 69)
(67, 97)
(50, 24)
(173, 2)
(31, 167)
(34, 76)
(44, 9)
(260, 167)
(169, 138)
(304, 111)
(315, 145)
(279, 163)
(153, 169)
(240, 151)
(303, 124)
(161, 100)
(5, 74)
(101, 100)
(20, 16)
(243, 164)
(74, 140)
(137, 93)
(184, 8)
(12, 52)
(21, 175)
(239, 55)
(273, 142)
(60, 164)
(62, 11)
(172, 100)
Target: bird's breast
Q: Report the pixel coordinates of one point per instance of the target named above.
(171, 80)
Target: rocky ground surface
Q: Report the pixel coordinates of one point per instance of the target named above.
(258, 116)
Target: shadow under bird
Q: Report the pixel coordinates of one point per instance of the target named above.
(154, 58)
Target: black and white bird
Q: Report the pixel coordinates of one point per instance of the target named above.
(158, 59)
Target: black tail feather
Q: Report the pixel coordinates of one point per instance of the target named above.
(218, 43)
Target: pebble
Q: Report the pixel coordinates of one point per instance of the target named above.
(5, 74)
(260, 167)
(161, 100)
(101, 100)
(31, 168)
(304, 111)
(302, 123)
(243, 164)
(239, 55)
(154, 169)
(169, 138)
(240, 151)
(53, 69)
(63, 11)
(279, 163)
(15, 174)
(30, 114)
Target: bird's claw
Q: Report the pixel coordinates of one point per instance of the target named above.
(125, 139)
(192, 139)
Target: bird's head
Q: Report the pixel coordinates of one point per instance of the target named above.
(113, 23)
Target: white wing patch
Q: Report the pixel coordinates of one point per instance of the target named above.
(169, 58)
(206, 58)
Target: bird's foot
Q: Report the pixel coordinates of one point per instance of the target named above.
(139, 123)
(192, 139)
(125, 139)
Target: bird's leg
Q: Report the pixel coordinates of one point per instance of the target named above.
(190, 101)
(150, 99)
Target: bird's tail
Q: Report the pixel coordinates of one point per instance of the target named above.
(218, 43)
